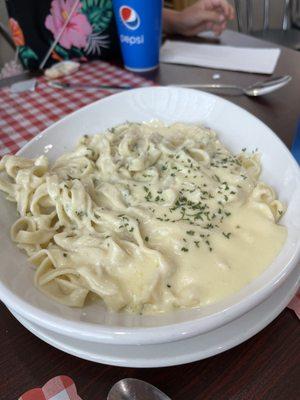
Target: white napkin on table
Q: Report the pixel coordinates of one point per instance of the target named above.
(257, 60)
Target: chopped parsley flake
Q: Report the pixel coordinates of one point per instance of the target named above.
(227, 235)
(192, 233)
(149, 196)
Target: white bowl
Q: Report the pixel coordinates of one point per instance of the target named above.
(237, 128)
(179, 352)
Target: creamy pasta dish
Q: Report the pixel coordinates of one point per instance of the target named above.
(146, 217)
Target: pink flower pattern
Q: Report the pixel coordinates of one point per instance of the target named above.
(78, 28)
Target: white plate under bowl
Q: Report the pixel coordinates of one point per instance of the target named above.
(183, 351)
(237, 129)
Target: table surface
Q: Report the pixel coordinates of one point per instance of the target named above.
(266, 366)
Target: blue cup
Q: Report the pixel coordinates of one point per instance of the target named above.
(139, 26)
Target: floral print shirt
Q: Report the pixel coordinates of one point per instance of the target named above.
(85, 29)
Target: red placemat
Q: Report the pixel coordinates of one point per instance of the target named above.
(24, 115)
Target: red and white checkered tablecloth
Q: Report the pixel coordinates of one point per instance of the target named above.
(24, 115)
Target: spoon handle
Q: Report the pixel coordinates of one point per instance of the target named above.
(210, 86)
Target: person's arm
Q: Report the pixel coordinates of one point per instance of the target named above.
(203, 15)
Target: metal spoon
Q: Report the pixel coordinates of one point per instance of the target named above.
(135, 389)
(256, 89)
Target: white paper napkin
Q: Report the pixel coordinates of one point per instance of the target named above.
(258, 60)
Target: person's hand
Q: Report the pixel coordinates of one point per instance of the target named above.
(202, 16)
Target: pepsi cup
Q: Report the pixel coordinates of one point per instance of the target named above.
(139, 27)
